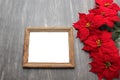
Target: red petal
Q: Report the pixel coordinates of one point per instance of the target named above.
(115, 6)
(88, 48)
(114, 18)
(83, 34)
(76, 26)
(107, 47)
(109, 23)
(106, 36)
(109, 1)
(114, 68)
(109, 75)
(97, 68)
(82, 15)
(98, 21)
(100, 2)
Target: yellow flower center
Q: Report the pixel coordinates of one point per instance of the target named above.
(88, 24)
(99, 43)
(107, 64)
(107, 4)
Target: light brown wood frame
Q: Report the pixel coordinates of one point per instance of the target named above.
(48, 65)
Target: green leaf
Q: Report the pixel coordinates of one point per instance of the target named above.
(109, 29)
(117, 24)
(115, 35)
(116, 27)
(118, 42)
(105, 27)
(118, 31)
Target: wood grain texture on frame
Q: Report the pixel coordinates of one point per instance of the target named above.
(48, 65)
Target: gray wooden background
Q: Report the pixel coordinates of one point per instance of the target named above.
(15, 15)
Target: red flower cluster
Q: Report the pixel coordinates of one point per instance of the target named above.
(99, 43)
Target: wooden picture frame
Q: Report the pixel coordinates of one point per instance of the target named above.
(38, 30)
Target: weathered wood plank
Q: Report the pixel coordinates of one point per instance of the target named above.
(15, 15)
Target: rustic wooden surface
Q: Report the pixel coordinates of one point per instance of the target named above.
(15, 15)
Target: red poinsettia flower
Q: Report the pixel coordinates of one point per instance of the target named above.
(110, 15)
(108, 3)
(86, 24)
(100, 42)
(84, 33)
(106, 66)
(114, 51)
